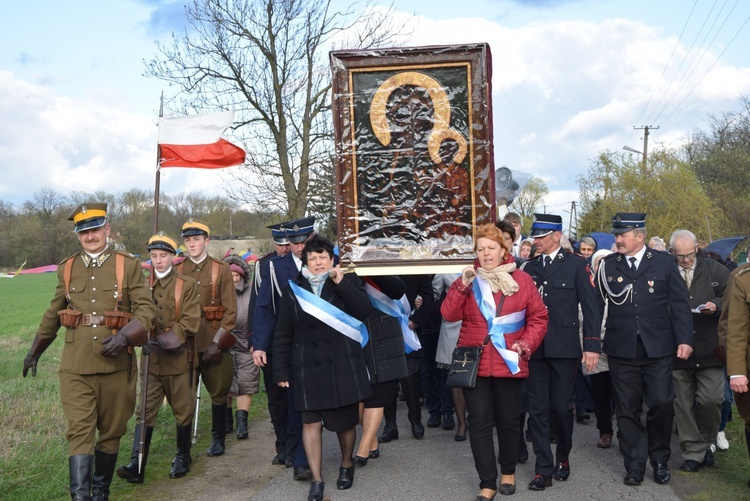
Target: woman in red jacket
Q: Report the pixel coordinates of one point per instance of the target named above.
(516, 330)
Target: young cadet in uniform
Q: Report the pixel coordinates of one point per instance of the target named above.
(565, 282)
(648, 323)
(281, 270)
(102, 300)
(218, 315)
(277, 399)
(178, 318)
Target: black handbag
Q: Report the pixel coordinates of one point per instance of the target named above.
(465, 362)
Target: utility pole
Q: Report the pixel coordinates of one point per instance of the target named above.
(573, 217)
(645, 130)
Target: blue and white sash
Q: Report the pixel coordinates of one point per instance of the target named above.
(398, 309)
(499, 326)
(330, 315)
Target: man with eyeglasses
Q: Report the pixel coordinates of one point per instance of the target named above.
(699, 380)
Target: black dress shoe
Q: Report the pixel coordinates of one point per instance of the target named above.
(316, 491)
(661, 473)
(583, 417)
(448, 422)
(279, 459)
(360, 461)
(709, 459)
(540, 483)
(634, 477)
(374, 454)
(690, 466)
(507, 489)
(346, 478)
(289, 462)
(459, 438)
(417, 430)
(562, 471)
(302, 473)
(387, 436)
(484, 498)
(434, 420)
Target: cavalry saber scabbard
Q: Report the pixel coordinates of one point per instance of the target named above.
(197, 409)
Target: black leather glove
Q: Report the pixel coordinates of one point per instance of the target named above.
(30, 363)
(151, 346)
(114, 345)
(213, 354)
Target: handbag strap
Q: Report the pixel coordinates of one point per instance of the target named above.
(497, 314)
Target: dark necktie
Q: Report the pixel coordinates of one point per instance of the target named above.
(547, 261)
(633, 267)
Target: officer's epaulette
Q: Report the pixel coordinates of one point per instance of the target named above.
(743, 269)
(72, 256)
(126, 254)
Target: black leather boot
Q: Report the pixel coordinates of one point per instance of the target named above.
(242, 424)
(747, 441)
(181, 462)
(230, 421)
(80, 467)
(104, 469)
(130, 471)
(218, 429)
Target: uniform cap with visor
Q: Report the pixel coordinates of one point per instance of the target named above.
(89, 217)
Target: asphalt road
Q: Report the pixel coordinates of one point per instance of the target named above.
(436, 467)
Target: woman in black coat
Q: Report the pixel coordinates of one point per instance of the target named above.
(328, 376)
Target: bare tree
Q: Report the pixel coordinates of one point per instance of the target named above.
(531, 196)
(266, 58)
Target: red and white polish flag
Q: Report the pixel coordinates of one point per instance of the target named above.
(195, 141)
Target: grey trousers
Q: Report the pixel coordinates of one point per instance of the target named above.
(699, 394)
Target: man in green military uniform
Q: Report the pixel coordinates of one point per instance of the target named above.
(218, 315)
(178, 318)
(734, 333)
(103, 301)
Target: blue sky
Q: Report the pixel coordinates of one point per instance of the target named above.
(570, 78)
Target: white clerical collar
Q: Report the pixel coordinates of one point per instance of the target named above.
(199, 261)
(162, 274)
(297, 261)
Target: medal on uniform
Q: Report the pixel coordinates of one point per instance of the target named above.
(651, 286)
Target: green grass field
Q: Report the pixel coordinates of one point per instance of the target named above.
(33, 449)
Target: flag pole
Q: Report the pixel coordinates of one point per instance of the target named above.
(144, 383)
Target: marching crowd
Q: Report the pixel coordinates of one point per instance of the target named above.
(558, 335)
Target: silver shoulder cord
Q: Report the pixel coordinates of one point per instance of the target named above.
(274, 284)
(604, 286)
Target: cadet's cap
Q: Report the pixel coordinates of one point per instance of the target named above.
(162, 241)
(626, 221)
(299, 230)
(89, 216)
(195, 228)
(544, 224)
(278, 234)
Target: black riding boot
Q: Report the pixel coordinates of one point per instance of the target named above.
(747, 441)
(242, 424)
(130, 472)
(181, 462)
(230, 421)
(104, 468)
(80, 467)
(218, 429)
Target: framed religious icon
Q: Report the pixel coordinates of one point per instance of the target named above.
(414, 159)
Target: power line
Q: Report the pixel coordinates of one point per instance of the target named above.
(708, 70)
(694, 65)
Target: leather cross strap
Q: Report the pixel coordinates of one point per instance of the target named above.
(214, 277)
(66, 277)
(177, 295)
(119, 273)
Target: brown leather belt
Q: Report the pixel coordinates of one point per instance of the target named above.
(89, 319)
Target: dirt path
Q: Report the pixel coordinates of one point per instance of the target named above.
(240, 473)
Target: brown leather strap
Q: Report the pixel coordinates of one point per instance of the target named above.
(214, 278)
(119, 274)
(177, 295)
(66, 277)
(180, 267)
